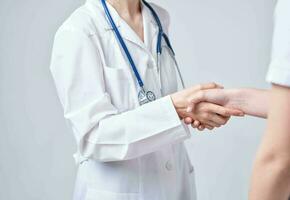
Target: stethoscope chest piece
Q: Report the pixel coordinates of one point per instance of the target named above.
(145, 96)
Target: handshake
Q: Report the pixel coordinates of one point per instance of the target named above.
(203, 109)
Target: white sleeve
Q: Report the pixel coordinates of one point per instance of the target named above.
(102, 132)
(279, 70)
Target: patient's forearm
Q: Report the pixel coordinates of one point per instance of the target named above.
(271, 175)
(252, 101)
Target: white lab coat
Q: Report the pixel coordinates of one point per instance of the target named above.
(125, 151)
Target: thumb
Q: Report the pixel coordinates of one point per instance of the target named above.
(215, 96)
(195, 98)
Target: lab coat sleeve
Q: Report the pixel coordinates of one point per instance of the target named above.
(101, 131)
(279, 69)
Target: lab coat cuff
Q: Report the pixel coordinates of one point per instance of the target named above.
(173, 117)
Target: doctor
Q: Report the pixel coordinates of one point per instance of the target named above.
(122, 104)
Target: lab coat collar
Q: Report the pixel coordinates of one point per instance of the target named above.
(97, 4)
(149, 25)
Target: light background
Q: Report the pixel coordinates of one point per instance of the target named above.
(227, 41)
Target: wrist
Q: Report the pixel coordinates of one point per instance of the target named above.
(177, 101)
(174, 101)
(237, 98)
(179, 105)
(255, 102)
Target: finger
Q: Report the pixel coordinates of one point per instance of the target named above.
(195, 124)
(201, 128)
(190, 107)
(209, 127)
(219, 119)
(227, 112)
(188, 120)
(216, 96)
(211, 123)
(232, 112)
(207, 86)
(235, 112)
(195, 98)
(227, 119)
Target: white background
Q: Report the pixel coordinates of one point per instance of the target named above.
(227, 41)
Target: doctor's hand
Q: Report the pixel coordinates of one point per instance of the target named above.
(209, 114)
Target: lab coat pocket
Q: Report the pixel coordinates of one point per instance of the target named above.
(119, 87)
(93, 194)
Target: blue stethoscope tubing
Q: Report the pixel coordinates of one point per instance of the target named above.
(161, 35)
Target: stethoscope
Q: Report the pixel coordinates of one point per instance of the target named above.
(145, 96)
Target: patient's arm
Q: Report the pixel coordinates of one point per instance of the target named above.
(271, 175)
(251, 101)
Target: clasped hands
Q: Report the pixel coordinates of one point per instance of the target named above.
(191, 107)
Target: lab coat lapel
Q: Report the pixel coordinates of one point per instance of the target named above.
(125, 30)
(150, 37)
(149, 24)
(150, 29)
(127, 33)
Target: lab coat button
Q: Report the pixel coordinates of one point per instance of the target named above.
(168, 165)
(191, 169)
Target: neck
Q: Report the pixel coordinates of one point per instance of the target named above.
(131, 8)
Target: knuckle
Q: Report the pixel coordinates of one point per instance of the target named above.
(194, 126)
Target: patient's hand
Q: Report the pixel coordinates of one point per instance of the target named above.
(226, 98)
(209, 114)
(251, 101)
(223, 97)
